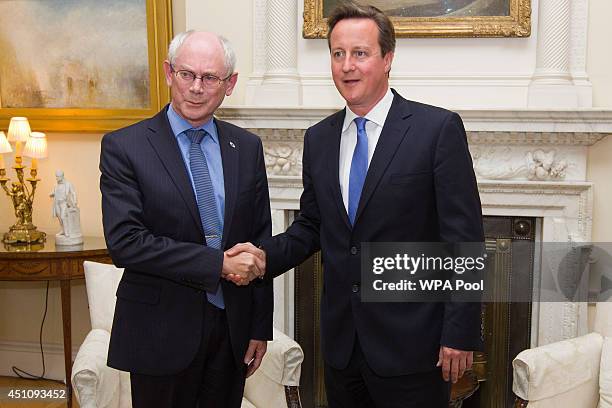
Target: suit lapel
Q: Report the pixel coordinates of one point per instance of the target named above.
(395, 129)
(230, 154)
(166, 146)
(333, 161)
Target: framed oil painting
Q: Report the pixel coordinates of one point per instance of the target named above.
(435, 18)
(82, 65)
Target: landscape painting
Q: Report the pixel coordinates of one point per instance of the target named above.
(74, 54)
(83, 65)
(435, 18)
(435, 8)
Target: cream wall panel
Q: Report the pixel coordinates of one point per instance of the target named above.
(599, 172)
(78, 156)
(26, 300)
(22, 303)
(458, 73)
(178, 16)
(599, 55)
(599, 68)
(232, 19)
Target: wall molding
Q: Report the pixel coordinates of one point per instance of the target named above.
(583, 126)
(26, 356)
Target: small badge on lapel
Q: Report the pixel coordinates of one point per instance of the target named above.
(232, 144)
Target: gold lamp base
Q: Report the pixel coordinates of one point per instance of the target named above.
(28, 234)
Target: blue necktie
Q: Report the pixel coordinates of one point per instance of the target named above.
(359, 169)
(207, 205)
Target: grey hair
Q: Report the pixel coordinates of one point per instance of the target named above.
(228, 51)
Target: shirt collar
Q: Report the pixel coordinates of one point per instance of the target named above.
(378, 114)
(180, 125)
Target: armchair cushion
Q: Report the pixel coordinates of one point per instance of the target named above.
(280, 367)
(283, 360)
(605, 375)
(561, 374)
(95, 383)
(246, 404)
(101, 281)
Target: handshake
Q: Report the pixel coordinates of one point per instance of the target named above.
(242, 263)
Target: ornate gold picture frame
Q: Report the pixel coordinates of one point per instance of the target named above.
(429, 18)
(71, 94)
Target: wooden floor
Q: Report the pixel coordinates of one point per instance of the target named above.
(13, 383)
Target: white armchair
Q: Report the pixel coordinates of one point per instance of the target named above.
(574, 373)
(274, 384)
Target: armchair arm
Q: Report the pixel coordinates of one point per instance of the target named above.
(275, 384)
(561, 374)
(95, 384)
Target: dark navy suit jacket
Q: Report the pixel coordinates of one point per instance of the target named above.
(153, 229)
(420, 187)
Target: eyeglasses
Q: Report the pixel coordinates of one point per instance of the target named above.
(208, 80)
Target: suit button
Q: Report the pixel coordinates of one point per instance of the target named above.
(355, 288)
(354, 250)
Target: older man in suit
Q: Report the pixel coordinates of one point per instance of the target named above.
(384, 169)
(177, 189)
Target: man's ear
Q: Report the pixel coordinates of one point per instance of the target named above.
(168, 72)
(231, 83)
(388, 61)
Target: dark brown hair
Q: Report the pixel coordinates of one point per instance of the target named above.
(347, 9)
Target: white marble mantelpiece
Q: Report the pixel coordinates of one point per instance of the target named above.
(583, 126)
(538, 145)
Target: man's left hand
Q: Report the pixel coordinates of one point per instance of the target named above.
(255, 352)
(454, 362)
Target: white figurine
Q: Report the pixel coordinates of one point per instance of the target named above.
(66, 210)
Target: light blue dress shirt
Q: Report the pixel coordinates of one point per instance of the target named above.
(212, 152)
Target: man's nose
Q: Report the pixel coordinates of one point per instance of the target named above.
(347, 64)
(197, 85)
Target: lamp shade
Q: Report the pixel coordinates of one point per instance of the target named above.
(36, 147)
(5, 146)
(19, 129)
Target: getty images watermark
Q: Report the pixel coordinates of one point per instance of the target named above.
(518, 271)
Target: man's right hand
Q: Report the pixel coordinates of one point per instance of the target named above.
(243, 263)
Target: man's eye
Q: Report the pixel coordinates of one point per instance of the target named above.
(209, 78)
(338, 54)
(186, 74)
(360, 53)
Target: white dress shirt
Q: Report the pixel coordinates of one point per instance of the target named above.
(348, 141)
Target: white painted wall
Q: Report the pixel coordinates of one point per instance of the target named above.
(22, 303)
(232, 19)
(599, 68)
(454, 72)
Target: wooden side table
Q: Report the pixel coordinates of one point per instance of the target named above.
(49, 262)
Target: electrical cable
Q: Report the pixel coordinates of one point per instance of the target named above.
(24, 374)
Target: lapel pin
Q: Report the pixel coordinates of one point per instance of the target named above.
(232, 144)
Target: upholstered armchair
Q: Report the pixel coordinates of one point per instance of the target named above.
(274, 384)
(574, 373)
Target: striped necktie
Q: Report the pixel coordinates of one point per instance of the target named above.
(207, 205)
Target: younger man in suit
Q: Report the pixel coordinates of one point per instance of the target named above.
(384, 169)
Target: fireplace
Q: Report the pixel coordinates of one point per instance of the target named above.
(506, 327)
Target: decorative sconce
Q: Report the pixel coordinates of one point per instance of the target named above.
(20, 194)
